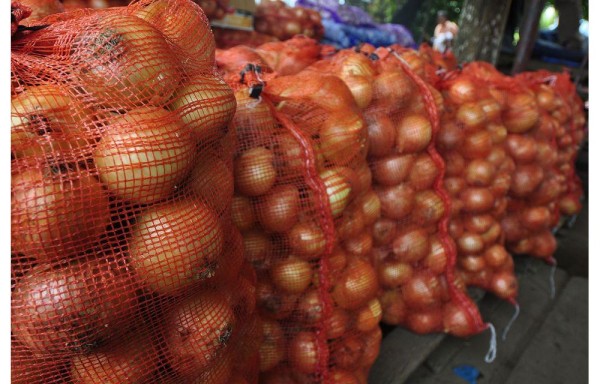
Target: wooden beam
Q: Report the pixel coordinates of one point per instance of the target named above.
(527, 34)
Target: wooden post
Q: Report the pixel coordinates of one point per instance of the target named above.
(528, 32)
(481, 28)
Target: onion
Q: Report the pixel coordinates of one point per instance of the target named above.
(369, 316)
(471, 115)
(254, 171)
(392, 90)
(258, 249)
(512, 228)
(536, 218)
(457, 321)
(477, 200)
(523, 149)
(479, 173)
(497, 156)
(342, 136)
(544, 245)
(413, 134)
(470, 244)
(292, 275)
(303, 352)
(278, 210)
(498, 133)
(454, 185)
(394, 308)
(364, 179)
(450, 136)
(339, 190)
(347, 352)
(496, 256)
(428, 208)
(337, 261)
(478, 223)
(436, 260)
(384, 231)
(272, 302)
(423, 173)
(357, 65)
(477, 145)
(491, 109)
(526, 179)
(504, 285)
(501, 185)
(392, 170)
(371, 207)
(455, 164)
(310, 307)
(422, 291)
(570, 205)
(472, 263)
(307, 240)
(272, 348)
(361, 88)
(492, 235)
(455, 228)
(546, 99)
(396, 202)
(392, 274)
(360, 245)
(337, 324)
(356, 286)
(521, 114)
(351, 223)
(461, 91)
(411, 245)
(424, 322)
(382, 135)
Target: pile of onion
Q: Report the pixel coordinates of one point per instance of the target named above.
(476, 145)
(301, 157)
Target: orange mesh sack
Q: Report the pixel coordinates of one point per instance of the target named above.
(536, 183)
(557, 97)
(291, 56)
(302, 202)
(472, 141)
(412, 252)
(274, 17)
(126, 267)
(227, 38)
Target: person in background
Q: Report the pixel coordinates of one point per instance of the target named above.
(444, 33)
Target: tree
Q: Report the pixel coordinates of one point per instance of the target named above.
(481, 28)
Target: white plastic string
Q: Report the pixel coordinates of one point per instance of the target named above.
(491, 355)
(511, 321)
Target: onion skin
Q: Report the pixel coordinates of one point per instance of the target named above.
(504, 285)
(479, 173)
(424, 323)
(477, 200)
(254, 172)
(303, 352)
(396, 202)
(422, 291)
(496, 256)
(356, 286)
(382, 135)
(471, 115)
(278, 210)
(456, 321)
(413, 134)
(411, 246)
(522, 149)
(392, 170)
(526, 179)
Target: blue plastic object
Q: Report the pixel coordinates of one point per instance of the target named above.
(467, 372)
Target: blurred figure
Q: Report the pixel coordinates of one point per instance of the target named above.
(444, 33)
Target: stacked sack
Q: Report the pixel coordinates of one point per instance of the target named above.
(126, 267)
(275, 18)
(473, 142)
(412, 252)
(302, 202)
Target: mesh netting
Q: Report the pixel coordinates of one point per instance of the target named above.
(126, 267)
(275, 18)
(472, 140)
(302, 202)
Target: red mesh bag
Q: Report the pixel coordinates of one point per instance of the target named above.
(302, 202)
(472, 141)
(41, 9)
(214, 9)
(126, 267)
(412, 252)
(557, 97)
(536, 183)
(291, 56)
(227, 38)
(274, 17)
